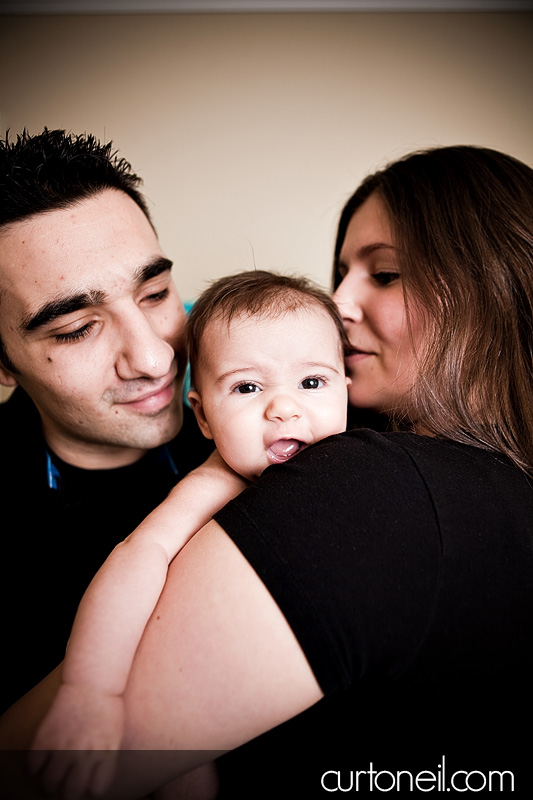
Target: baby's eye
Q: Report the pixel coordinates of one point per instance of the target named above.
(384, 278)
(311, 383)
(247, 388)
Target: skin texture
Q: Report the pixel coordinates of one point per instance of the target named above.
(93, 324)
(371, 302)
(265, 380)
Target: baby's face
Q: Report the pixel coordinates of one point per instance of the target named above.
(267, 388)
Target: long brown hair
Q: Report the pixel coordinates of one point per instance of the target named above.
(462, 221)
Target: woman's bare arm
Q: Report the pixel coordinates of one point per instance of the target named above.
(217, 665)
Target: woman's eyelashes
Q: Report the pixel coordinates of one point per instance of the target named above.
(385, 277)
(380, 276)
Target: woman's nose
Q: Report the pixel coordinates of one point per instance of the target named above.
(349, 300)
(283, 407)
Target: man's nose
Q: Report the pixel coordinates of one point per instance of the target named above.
(348, 299)
(283, 407)
(142, 353)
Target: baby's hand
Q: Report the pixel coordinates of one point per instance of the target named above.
(75, 748)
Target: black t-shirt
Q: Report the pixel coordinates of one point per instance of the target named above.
(56, 539)
(404, 566)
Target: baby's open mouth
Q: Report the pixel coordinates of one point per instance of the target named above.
(283, 449)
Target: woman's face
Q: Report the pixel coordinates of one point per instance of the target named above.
(370, 298)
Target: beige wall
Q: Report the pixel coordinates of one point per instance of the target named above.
(250, 130)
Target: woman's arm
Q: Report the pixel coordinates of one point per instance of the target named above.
(87, 713)
(217, 665)
(228, 665)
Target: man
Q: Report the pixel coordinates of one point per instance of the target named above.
(95, 433)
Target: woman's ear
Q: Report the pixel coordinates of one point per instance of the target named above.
(196, 404)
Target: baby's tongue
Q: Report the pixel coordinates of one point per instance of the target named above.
(285, 448)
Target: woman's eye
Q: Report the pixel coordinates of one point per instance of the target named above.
(311, 383)
(74, 336)
(342, 271)
(246, 388)
(384, 278)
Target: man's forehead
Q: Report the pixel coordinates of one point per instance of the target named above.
(77, 254)
(44, 311)
(107, 222)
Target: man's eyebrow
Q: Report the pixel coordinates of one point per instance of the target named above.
(152, 270)
(68, 305)
(60, 308)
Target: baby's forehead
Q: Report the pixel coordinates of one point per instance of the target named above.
(297, 328)
(223, 322)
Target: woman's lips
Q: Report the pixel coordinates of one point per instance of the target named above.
(357, 355)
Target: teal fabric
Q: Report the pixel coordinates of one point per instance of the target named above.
(187, 380)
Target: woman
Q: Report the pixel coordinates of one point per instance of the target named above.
(365, 608)
(461, 222)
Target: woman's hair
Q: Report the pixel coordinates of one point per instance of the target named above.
(462, 223)
(255, 293)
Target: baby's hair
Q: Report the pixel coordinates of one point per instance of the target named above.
(257, 292)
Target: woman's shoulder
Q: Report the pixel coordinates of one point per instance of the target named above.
(463, 482)
(426, 452)
(363, 479)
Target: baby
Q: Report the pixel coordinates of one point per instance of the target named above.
(267, 374)
(267, 367)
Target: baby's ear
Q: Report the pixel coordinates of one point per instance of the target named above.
(195, 401)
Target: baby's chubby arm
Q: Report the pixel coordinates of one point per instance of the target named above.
(87, 713)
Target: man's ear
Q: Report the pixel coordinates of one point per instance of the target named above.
(6, 377)
(195, 401)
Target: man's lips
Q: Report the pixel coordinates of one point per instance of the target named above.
(154, 399)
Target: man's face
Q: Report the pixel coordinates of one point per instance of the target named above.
(93, 324)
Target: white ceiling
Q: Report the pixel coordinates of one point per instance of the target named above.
(258, 6)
